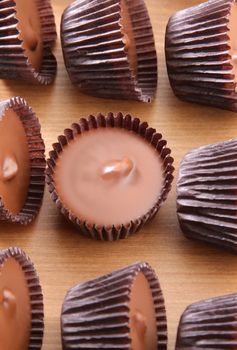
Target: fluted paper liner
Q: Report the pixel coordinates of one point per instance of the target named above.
(14, 63)
(209, 324)
(207, 194)
(94, 50)
(95, 314)
(198, 55)
(35, 294)
(112, 121)
(37, 162)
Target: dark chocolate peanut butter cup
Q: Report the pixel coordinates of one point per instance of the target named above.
(22, 162)
(109, 175)
(122, 310)
(109, 48)
(201, 54)
(21, 307)
(209, 324)
(28, 34)
(206, 194)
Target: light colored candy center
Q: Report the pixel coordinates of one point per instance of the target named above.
(9, 168)
(140, 325)
(8, 302)
(116, 169)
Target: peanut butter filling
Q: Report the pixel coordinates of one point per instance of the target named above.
(128, 37)
(14, 162)
(109, 176)
(233, 38)
(142, 315)
(29, 26)
(15, 310)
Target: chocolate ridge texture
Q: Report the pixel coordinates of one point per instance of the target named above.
(206, 194)
(13, 62)
(209, 324)
(94, 50)
(37, 162)
(198, 55)
(35, 294)
(114, 121)
(95, 314)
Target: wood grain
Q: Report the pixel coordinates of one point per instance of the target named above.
(188, 271)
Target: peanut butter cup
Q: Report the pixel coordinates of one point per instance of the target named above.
(209, 324)
(109, 175)
(22, 162)
(122, 310)
(109, 48)
(28, 34)
(21, 302)
(201, 53)
(206, 194)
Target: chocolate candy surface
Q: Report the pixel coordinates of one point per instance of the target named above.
(22, 162)
(109, 175)
(28, 35)
(21, 302)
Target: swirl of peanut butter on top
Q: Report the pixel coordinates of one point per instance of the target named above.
(29, 26)
(9, 303)
(15, 310)
(142, 316)
(139, 322)
(233, 38)
(9, 168)
(116, 169)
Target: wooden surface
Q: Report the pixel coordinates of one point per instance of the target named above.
(188, 271)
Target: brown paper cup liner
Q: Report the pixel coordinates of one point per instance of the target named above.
(206, 194)
(111, 121)
(35, 294)
(209, 324)
(198, 55)
(94, 51)
(13, 62)
(37, 162)
(95, 314)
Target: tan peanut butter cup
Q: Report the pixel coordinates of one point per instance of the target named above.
(109, 175)
(21, 302)
(123, 310)
(22, 162)
(109, 48)
(28, 35)
(201, 53)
